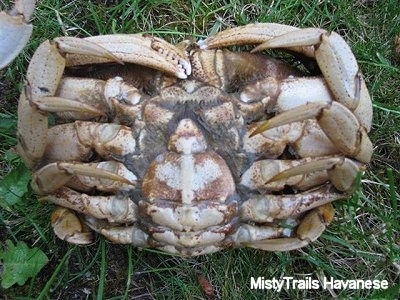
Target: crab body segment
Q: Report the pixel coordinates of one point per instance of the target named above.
(194, 150)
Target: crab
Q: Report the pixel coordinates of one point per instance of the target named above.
(15, 30)
(193, 148)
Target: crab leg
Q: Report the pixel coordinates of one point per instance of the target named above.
(339, 170)
(309, 229)
(247, 234)
(88, 92)
(55, 175)
(113, 208)
(267, 208)
(65, 222)
(134, 235)
(44, 73)
(334, 57)
(87, 98)
(121, 235)
(58, 104)
(67, 226)
(15, 30)
(302, 174)
(309, 99)
(338, 123)
(75, 141)
(76, 46)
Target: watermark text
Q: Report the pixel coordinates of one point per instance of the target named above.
(308, 283)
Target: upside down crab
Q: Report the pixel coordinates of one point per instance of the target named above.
(193, 148)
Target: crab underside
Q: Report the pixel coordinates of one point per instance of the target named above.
(194, 148)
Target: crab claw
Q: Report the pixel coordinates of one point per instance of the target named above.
(336, 62)
(334, 57)
(15, 30)
(245, 35)
(83, 47)
(140, 49)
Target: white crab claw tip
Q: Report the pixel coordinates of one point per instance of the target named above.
(181, 74)
(202, 44)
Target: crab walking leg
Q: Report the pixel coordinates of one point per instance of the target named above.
(302, 174)
(55, 175)
(114, 208)
(87, 98)
(309, 230)
(140, 49)
(309, 99)
(306, 138)
(15, 30)
(267, 208)
(342, 172)
(86, 182)
(58, 104)
(67, 226)
(86, 91)
(120, 235)
(338, 123)
(76, 141)
(261, 172)
(247, 234)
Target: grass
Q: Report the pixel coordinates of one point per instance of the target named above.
(363, 242)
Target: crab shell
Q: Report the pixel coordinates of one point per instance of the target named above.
(193, 150)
